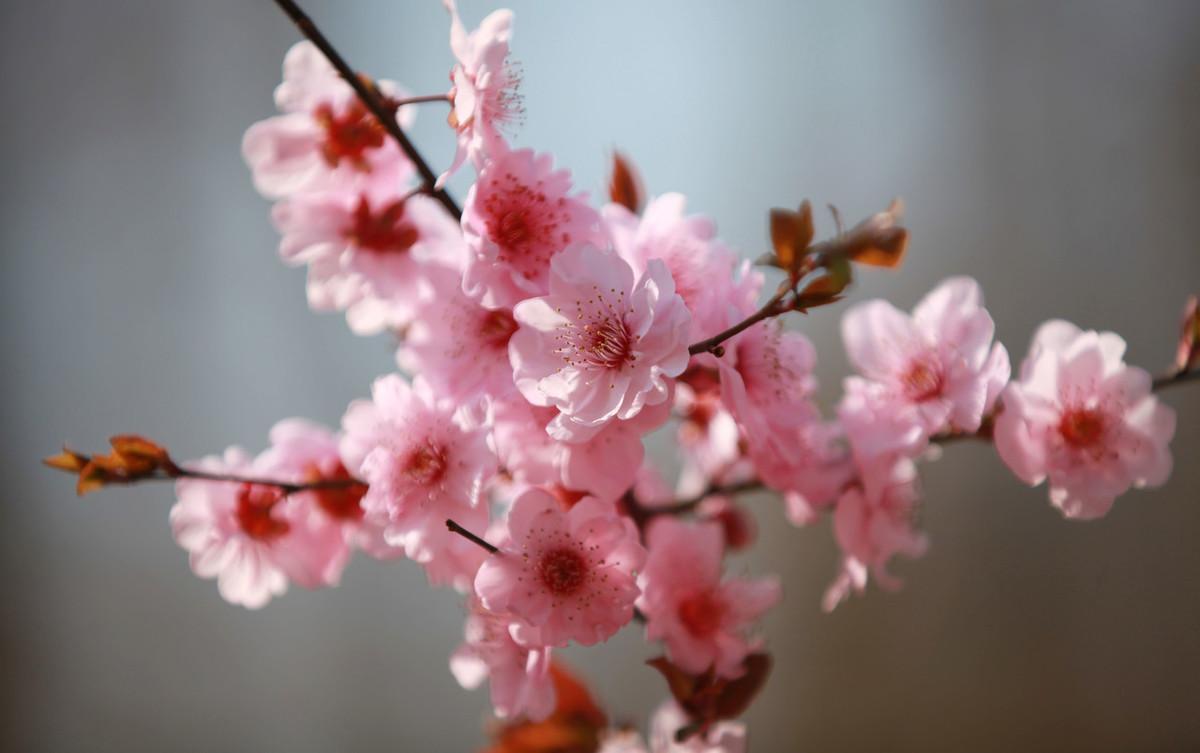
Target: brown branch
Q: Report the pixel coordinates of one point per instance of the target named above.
(771, 308)
(456, 528)
(1178, 377)
(373, 102)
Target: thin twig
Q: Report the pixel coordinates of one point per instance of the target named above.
(770, 308)
(1178, 377)
(372, 101)
(456, 528)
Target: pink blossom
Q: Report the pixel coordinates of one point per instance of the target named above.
(604, 460)
(425, 461)
(484, 97)
(722, 737)
(570, 574)
(326, 138)
(702, 620)
(872, 522)
(600, 346)
(1084, 419)
(519, 676)
(305, 452)
(370, 253)
(766, 380)
(708, 434)
(701, 266)
(526, 452)
(252, 538)
(940, 361)
(811, 467)
(459, 346)
(517, 216)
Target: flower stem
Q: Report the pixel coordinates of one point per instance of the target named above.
(456, 528)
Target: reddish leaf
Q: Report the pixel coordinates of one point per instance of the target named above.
(67, 460)
(707, 698)
(791, 235)
(625, 185)
(736, 696)
(878, 241)
(574, 727)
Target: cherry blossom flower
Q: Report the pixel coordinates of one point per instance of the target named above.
(766, 379)
(459, 346)
(606, 463)
(811, 468)
(722, 737)
(304, 452)
(517, 216)
(526, 452)
(940, 361)
(484, 97)
(425, 461)
(370, 253)
(569, 574)
(702, 620)
(252, 538)
(708, 434)
(600, 346)
(702, 267)
(326, 138)
(518, 676)
(1084, 419)
(872, 522)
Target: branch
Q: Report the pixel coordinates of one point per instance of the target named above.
(456, 528)
(1178, 377)
(770, 308)
(371, 99)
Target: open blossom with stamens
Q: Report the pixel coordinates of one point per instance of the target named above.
(517, 216)
(1084, 419)
(518, 676)
(702, 266)
(459, 346)
(305, 452)
(569, 574)
(252, 538)
(702, 619)
(425, 461)
(325, 138)
(371, 252)
(484, 98)
(872, 522)
(939, 362)
(600, 346)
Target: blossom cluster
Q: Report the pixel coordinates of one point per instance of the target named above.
(542, 338)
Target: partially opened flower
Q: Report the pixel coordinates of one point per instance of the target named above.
(425, 461)
(252, 538)
(326, 139)
(370, 253)
(459, 346)
(517, 216)
(484, 98)
(600, 346)
(570, 575)
(518, 676)
(872, 522)
(1084, 419)
(703, 620)
(703, 268)
(940, 361)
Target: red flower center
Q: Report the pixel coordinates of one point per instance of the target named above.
(497, 327)
(701, 614)
(562, 571)
(607, 343)
(426, 464)
(254, 505)
(1082, 427)
(348, 136)
(339, 503)
(383, 231)
(923, 381)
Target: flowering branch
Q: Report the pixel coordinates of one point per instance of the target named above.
(135, 459)
(373, 102)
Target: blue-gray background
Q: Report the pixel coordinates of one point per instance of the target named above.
(1048, 149)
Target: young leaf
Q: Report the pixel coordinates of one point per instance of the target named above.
(625, 185)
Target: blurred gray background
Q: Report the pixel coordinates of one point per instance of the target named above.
(1048, 149)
